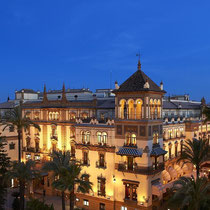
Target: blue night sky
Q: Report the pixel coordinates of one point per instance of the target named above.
(83, 42)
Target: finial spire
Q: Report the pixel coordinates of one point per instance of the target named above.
(139, 63)
(64, 99)
(45, 99)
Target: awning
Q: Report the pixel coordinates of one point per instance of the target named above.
(178, 169)
(157, 189)
(166, 176)
(129, 152)
(172, 172)
(157, 151)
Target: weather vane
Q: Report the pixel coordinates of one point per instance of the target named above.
(138, 54)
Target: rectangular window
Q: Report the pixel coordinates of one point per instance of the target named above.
(102, 206)
(12, 146)
(85, 202)
(85, 158)
(130, 192)
(101, 186)
(130, 163)
(101, 160)
(123, 208)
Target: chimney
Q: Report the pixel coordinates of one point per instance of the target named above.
(116, 85)
(146, 85)
(161, 85)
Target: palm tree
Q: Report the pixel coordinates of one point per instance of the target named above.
(24, 173)
(73, 178)
(15, 120)
(206, 112)
(190, 194)
(194, 152)
(60, 161)
(68, 173)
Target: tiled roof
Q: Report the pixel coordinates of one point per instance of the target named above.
(180, 105)
(7, 105)
(157, 151)
(129, 152)
(106, 103)
(136, 82)
(26, 91)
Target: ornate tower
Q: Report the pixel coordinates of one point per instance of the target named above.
(138, 134)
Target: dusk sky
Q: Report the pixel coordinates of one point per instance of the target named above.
(83, 42)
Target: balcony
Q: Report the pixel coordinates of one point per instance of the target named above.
(132, 117)
(130, 201)
(101, 165)
(124, 167)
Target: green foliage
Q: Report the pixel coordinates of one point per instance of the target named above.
(206, 112)
(68, 175)
(190, 194)
(4, 165)
(15, 119)
(35, 204)
(195, 152)
(24, 172)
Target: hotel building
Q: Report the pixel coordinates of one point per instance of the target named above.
(127, 140)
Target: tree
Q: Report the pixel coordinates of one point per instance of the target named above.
(15, 120)
(206, 112)
(194, 152)
(190, 194)
(24, 173)
(4, 165)
(73, 178)
(35, 204)
(56, 166)
(68, 175)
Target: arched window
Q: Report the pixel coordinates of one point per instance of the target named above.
(123, 109)
(155, 107)
(50, 115)
(130, 139)
(170, 134)
(102, 138)
(85, 137)
(131, 109)
(151, 107)
(158, 108)
(99, 137)
(155, 137)
(133, 139)
(139, 108)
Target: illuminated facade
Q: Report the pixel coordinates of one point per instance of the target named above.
(127, 140)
